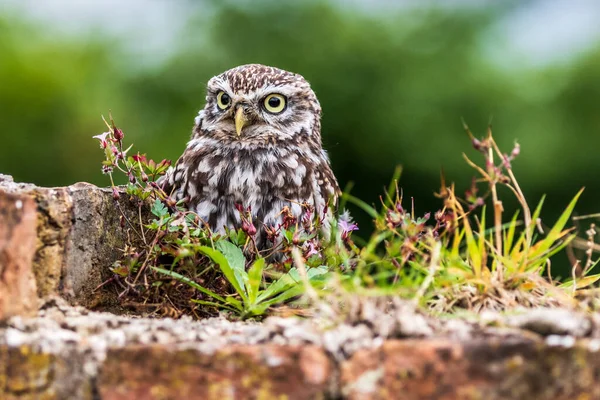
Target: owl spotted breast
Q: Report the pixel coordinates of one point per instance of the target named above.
(256, 143)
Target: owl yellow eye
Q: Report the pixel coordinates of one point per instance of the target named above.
(275, 103)
(223, 100)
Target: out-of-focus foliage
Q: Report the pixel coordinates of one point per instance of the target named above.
(393, 86)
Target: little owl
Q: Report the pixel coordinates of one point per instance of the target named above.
(256, 143)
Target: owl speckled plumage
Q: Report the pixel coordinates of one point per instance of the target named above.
(257, 143)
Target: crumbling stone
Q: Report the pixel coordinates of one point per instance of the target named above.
(79, 231)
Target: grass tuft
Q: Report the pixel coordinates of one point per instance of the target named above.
(468, 255)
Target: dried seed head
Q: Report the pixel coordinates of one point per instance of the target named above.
(170, 202)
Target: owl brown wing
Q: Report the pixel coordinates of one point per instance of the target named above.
(327, 187)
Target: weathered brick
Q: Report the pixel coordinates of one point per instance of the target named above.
(491, 368)
(28, 373)
(234, 372)
(17, 248)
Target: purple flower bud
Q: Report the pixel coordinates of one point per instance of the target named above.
(296, 238)
(249, 228)
(115, 193)
(272, 233)
(515, 151)
(139, 158)
(476, 144)
(164, 163)
(144, 177)
(118, 134)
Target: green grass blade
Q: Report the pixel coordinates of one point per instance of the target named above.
(360, 204)
(580, 282)
(556, 232)
(481, 241)
(189, 282)
(509, 234)
(217, 305)
(391, 189)
(472, 248)
(521, 245)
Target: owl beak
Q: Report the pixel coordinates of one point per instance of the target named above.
(241, 120)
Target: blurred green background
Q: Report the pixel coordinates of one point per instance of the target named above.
(394, 80)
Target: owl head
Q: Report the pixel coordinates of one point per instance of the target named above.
(257, 103)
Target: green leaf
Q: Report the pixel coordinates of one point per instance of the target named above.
(235, 302)
(286, 295)
(196, 232)
(282, 284)
(236, 260)
(218, 258)
(255, 279)
(174, 228)
(190, 219)
(316, 272)
(159, 209)
(290, 280)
